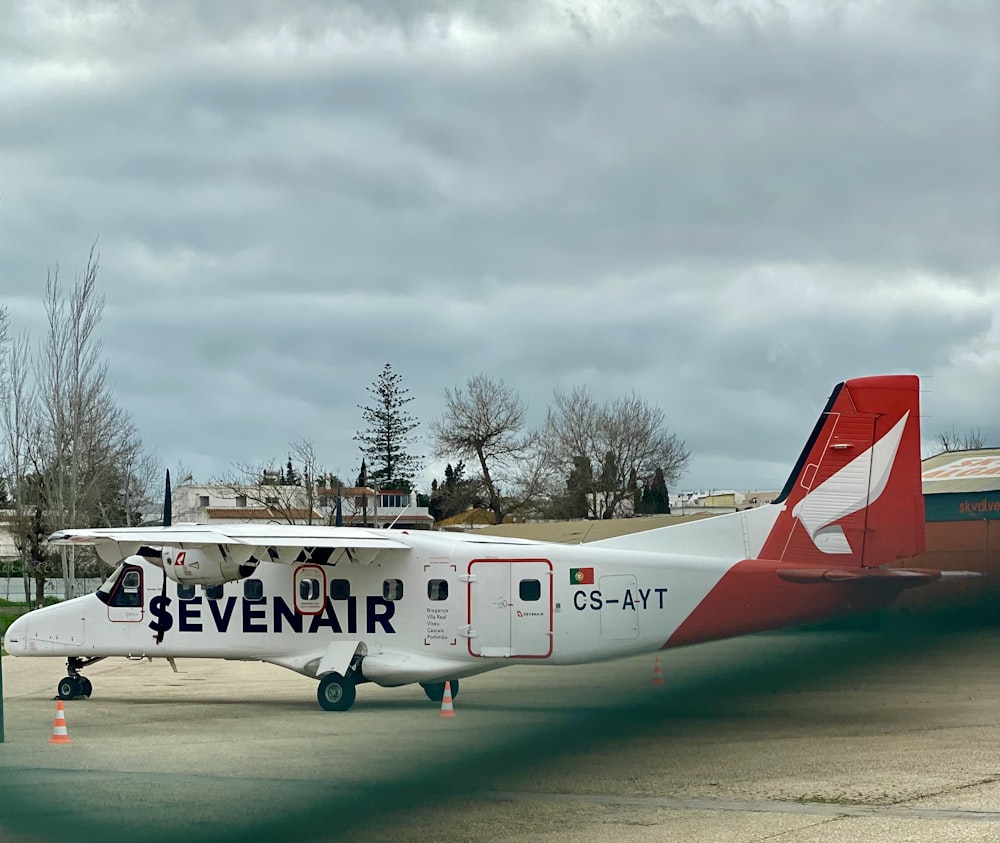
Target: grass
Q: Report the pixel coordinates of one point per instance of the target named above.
(9, 612)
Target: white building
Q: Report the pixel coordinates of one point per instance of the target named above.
(287, 504)
(8, 550)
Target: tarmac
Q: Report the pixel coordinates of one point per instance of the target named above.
(803, 737)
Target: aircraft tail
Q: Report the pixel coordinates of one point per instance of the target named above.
(853, 499)
(850, 509)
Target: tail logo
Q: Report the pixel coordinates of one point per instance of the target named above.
(855, 486)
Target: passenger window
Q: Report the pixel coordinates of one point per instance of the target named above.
(185, 591)
(340, 589)
(437, 589)
(308, 589)
(253, 590)
(530, 590)
(392, 589)
(213, 592)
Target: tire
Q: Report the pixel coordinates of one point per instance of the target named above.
(68, 688)
(435, 690)
(86, 689)
(335, 692)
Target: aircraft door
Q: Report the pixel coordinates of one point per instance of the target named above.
(125, 604)
(619, 615)
(510, 608)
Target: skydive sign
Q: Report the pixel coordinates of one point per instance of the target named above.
(963, 506)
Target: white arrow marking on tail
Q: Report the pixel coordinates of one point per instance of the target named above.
(857, 485)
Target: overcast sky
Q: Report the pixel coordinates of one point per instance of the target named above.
(725, 206)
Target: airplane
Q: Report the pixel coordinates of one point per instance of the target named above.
(348, 605)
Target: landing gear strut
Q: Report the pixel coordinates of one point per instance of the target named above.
(74, 684)
(435, 690)
(336, 692)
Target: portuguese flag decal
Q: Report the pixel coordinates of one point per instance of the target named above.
(581, 576)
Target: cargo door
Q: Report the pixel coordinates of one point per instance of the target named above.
(510, 608)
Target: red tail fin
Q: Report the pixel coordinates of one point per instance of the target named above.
(854, 497)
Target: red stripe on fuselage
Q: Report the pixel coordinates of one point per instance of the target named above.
(751, 597)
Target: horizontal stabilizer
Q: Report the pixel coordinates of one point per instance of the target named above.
(913, 576)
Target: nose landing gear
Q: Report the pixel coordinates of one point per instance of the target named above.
(74, 684)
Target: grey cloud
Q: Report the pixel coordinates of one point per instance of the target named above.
(728, 218)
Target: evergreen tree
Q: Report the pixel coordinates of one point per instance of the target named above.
(456, 494)
(633, 491)
(655, 499)
(578, 486)
(387, 439)
(608, 483)
(435, 508)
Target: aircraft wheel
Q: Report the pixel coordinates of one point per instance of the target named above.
(69, 688)
(435, 690)
(86, 688)
(336, 692)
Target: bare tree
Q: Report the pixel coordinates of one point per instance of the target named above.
(627, 438)
(23, 440)
(485, 421)
(76, 457)
(951, 441)
(94, 450)
(289, 493)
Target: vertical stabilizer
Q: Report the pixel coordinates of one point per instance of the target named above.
(854, 497)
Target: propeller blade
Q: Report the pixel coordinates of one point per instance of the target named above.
(167, 503)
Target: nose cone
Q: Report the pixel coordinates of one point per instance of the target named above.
(15, 639)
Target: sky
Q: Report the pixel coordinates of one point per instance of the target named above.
(727, 207)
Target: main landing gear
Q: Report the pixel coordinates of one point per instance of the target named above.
(435, 690)
(336, 692)
(74, 684)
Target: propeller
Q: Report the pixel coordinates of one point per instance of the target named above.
(167, 507)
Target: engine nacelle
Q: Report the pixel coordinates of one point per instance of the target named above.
(206, 565)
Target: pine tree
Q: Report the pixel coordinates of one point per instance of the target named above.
(387, 440)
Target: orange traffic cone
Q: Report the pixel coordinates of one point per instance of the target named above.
(59, 733)
(447, 709)
(657, 672)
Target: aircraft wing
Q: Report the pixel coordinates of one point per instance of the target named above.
(244, 535)
(158, 536)
(279, 542)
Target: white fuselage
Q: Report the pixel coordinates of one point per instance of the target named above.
(444, 608)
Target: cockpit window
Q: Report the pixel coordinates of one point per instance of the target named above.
(128, 592)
